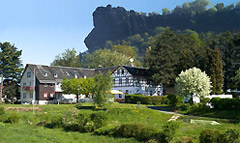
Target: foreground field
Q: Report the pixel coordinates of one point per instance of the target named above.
(29, 128)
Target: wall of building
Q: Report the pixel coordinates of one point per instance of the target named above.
(134, 85)
(27, 95)
(46, 91)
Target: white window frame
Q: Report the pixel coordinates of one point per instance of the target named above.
(24, 95)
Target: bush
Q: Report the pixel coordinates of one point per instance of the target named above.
(158, 100)
(99, 119)
(155, 100)
(198, 109)
(13, 118)
(204, 100)
(138, 131)
(107, 130)
(169, 129)
(214, 136)
(173, 100)
(211, 136)
(2, 110)
(225, 104)
(56, 122)
(231, 136)
(74, 121)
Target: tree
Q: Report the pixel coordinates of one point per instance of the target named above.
(78, 86)
(236, 79)
(69, 58)
(193, 82)
(216, 72)
(106, 58)
(10, 64)
(172, 54)
(125, 49)
(103, 84)
(11, 90)
(165, 11)
(98, 86)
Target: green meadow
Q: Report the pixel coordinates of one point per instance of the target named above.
(30, 130)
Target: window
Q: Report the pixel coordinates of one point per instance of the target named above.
(127, 80)
(51, 94)
(122, 71)
(118, 71)
(24, 84)
(45, 94)
(120, 81)
(120, 95)
(24, 95)
(31, 95)
(45, 85)
(30, 83)
(126, 91)
(28, 74)
(67, 73)
(55, 75)
(150, 93)
(45, 74)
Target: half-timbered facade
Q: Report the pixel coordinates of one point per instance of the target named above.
(133, 80)
(42, 84)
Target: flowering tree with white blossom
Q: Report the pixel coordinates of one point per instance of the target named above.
(193, 82)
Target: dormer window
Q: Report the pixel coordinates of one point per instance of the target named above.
(122, 71)
(55, 75)
(45, 74)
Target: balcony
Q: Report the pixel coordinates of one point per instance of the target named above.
(27, 88)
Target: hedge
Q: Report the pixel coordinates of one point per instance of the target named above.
(138, 131)
(155, 100)
(225, 104)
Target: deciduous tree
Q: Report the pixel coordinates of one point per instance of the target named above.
(193, 81)
(69, 58)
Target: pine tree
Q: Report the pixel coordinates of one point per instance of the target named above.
(215, 70)
(218, 69)
(10, 63)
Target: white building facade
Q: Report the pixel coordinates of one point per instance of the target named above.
(132, 80)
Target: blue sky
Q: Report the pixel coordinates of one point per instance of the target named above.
(45, 28)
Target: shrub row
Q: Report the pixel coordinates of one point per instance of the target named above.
(141, 132)
(154, 100)
(214, 136)
(74, 121)
(138, 131)
(225, 104)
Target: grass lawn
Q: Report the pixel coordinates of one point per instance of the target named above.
(23, 132)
